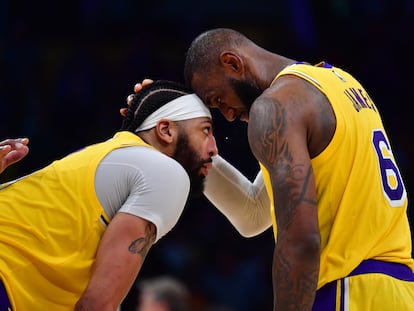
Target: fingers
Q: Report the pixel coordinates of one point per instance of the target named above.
(13, 142)
(4, 150)
(146, 82)
(137, 88)
(123, 111)
(12, 150)
(129, 99)
(23, 141)
(16, 155)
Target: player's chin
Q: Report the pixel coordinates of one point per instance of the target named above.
(203, 172)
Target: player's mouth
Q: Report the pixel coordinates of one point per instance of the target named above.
(205, 168)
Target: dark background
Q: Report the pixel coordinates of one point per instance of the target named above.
(66, 67)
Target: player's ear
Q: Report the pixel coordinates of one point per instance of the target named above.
(166, 131)
(231, 61)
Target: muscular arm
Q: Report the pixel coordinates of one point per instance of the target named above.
(128, 185)
(120, 256)
(278, 136)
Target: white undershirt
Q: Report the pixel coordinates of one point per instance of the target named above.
(246, 204)
(143, 182)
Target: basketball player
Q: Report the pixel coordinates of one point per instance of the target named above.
(338, 201)
(245, 203)
(12, 150)
(74, 235)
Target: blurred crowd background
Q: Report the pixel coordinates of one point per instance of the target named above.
(66, 67)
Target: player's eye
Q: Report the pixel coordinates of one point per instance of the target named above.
(218, 101)
(215, 103)
(208, 130)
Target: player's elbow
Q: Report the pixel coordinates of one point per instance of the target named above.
(248, 233)
(308, 246)
(253, 226)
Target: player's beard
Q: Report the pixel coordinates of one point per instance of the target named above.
(246, 90)
(188, 157)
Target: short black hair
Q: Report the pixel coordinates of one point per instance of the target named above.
(204, 51)
(149, 99)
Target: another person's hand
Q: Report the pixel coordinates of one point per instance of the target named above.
(12, 150)
(138, 87)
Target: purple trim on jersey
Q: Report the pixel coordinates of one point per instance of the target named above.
(5, 304)
(104, 220)
(326, 65)
(396, 270)
(325, 298)
(342, 297)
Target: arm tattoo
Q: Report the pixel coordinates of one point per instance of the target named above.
(292, 189)
(270, 123)
(294, 283)
(292, 297)
(142, 245)
(267, 138)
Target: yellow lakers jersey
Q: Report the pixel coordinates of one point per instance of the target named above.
(50, 226)
(362, 199)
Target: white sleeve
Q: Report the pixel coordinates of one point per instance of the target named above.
(143, 182)
(245, 204)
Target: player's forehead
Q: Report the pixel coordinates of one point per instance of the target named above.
(208, 87)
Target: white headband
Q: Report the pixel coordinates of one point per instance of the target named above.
(182, 108)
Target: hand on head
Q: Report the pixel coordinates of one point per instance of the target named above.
(138, 87)
(12, 150)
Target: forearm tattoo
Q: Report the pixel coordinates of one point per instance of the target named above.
(293, 294)
(143, 244)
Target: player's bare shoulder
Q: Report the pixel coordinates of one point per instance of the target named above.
(310, 107)
(292, 102)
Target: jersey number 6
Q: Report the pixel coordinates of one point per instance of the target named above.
(392, 184)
